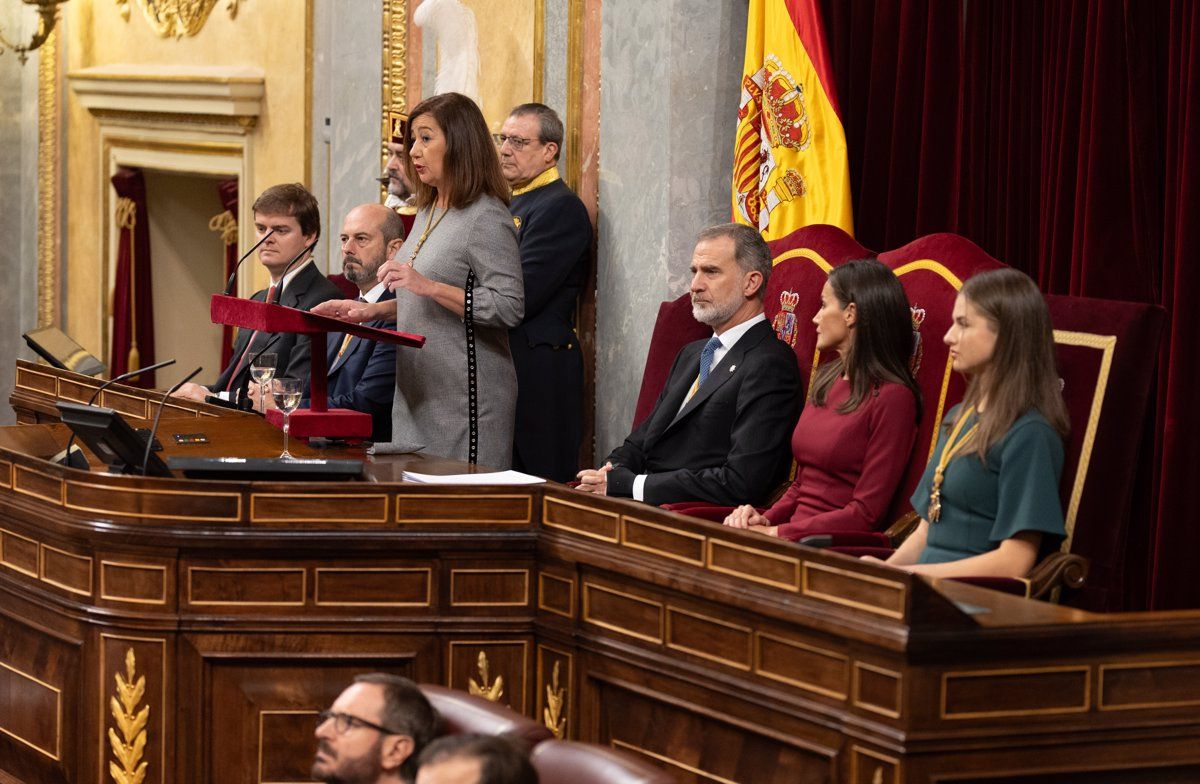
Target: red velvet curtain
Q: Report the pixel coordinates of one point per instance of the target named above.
(1064, 138)
(133, 310)
(226, 224)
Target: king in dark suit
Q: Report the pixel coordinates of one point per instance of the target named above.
(719, 431)
(555, 237)
(291, 215)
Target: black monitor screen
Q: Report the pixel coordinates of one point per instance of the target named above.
(111, 438)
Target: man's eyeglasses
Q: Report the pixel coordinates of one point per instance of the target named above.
(516, 142)
(344, 722)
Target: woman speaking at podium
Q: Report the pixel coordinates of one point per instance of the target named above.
(457, 280)
(989, 496)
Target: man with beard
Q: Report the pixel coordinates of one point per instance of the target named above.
(362, 372)
(555, 238)
(720, 428)
(373, 732)
(400, 191)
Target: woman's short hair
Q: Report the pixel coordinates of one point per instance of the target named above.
(471, 167)
(883, 336)
(1023, 372)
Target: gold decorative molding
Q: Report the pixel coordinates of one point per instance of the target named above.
(556, 695)
(49, 194)
(176, 17)
(395, 67)
(130, 747)
(226, 225)
(482, 688)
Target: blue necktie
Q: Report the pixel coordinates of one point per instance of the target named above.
(706, 357)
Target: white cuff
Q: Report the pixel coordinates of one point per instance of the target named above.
(639, 487)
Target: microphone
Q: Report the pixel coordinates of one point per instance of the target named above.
(158, 415)
(300, 255)
(67, 457)
(238, 266)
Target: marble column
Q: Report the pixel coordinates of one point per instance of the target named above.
(18, 180)
(347, 105)
(670, 71)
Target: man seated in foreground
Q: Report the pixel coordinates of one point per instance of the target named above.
(362, 372)
(475, 759)
(719, 430)
(373, 732)
(291, 215)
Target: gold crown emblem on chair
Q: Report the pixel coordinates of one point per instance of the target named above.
(784, 322)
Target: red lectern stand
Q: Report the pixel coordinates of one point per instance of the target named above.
(316, 420)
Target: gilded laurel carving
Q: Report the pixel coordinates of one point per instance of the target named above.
(176, 17)
(130, 746)
(482, 688)
(556, 697)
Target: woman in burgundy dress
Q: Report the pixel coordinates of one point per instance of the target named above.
(854, 438)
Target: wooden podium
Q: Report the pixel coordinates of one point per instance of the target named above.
(317, 419)
(721, 655)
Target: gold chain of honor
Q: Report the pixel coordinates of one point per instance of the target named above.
(954, 445)
(430, 225)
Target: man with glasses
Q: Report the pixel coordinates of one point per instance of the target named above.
(555, 236)
(373, 732)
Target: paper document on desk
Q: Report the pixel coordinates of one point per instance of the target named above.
(494, 478)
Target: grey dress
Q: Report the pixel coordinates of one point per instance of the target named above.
(430, 412)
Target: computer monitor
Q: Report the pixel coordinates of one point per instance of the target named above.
(57, 348)
(111, 438)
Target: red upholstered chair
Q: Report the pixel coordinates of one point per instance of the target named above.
(564, 762)
(1107, 352)
(673, 329)
(461, 713)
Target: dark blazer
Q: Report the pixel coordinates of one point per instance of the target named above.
(364, 379)
(730, 444)
(555, 236)
(304, 291)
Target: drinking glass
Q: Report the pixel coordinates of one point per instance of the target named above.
(262, 371)
(286, 392)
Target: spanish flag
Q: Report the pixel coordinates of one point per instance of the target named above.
(790, 165)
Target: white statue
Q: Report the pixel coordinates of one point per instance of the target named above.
(451, 25)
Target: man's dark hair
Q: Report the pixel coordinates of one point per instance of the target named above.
(405, 710)
(295, 200)
(550, 127)
(501, 761)
(749, 249)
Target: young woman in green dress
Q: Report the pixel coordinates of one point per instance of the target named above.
(989, 499)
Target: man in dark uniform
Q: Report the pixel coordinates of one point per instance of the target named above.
(555, 236)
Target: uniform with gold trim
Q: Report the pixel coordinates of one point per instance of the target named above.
(555, 236)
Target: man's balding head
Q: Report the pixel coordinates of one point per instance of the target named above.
(371, 234)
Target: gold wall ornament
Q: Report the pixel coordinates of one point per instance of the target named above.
(395, 72)
(482, 688)
(131, 745)
(556, 695)
(225, 225)
(127, 220)
(176, 17)
(49, 186)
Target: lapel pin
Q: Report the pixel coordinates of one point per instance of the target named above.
(732, 368)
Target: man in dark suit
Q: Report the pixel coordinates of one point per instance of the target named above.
(362, 372)
(292, 216)
(555, 236)
(720, 430)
